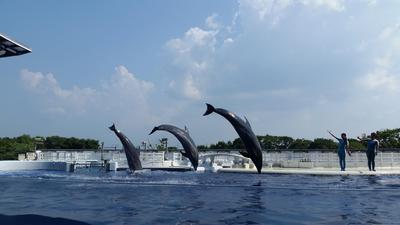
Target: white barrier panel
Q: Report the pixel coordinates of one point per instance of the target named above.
(295, 158)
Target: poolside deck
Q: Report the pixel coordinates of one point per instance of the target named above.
(319, 171)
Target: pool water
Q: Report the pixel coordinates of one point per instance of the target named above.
(156, 197)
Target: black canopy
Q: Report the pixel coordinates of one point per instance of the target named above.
(9, 47)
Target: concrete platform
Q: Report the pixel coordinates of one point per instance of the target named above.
(10, 165)
(172, 168)
(318, 171)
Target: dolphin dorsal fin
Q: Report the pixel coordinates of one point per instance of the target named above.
(186, 130)
(247, 122)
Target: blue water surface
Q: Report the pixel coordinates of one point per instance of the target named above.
(158, 197)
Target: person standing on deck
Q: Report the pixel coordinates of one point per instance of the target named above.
(342, 149)
(372, 149)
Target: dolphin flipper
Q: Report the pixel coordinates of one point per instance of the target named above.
(245, 154)
(209, 110)
(184, 154)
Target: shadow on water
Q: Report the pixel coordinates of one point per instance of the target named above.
(32, 219)
(250, 209)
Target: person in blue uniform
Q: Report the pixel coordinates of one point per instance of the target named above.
(372, 149)
(343, 147)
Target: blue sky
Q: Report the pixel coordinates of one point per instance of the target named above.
(293, 67)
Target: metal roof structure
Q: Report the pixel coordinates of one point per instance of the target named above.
(9, 47)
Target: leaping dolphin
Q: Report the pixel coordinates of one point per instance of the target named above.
(132, 154)
(243, 128)
(187, 142)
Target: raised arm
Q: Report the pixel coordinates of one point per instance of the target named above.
(333, 135)
(361, 140)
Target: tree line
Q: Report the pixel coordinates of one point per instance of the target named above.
(11, 147)
(389, 138)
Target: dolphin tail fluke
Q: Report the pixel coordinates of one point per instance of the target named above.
(112, 127)
(154, 130)
(210, 109)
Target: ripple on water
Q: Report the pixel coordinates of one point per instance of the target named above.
(162, 197)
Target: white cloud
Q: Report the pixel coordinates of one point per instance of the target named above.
(335, 5)
(273, 10)
(192, 55)
(195, 37)
(228, 41)
(31, 79)
(125, 84)
(77, 100)
(381, 80)
(389, 31)
(190, 90)
(45, 84)
(211, 22)
(283, 93)
(122, 98)
(372, 2)
(384, 62)
(383, 76)
(123, 78)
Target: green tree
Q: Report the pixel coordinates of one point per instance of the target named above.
(11, 147)
(220, 145)
(275, 142)
(356, 145)
(202, 147)
(300, 144)
(57, 142)
(237, 144)
(389, 138)
(323, 143)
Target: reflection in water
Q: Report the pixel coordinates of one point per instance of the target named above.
(37, 220)
(188, 213)
(344, 178)
(373, 180)
(253, 198)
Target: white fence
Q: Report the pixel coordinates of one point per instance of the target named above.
(312, 158)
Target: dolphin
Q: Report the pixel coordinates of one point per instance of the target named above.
(187, 142)
(132, 154)
(243, 128)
